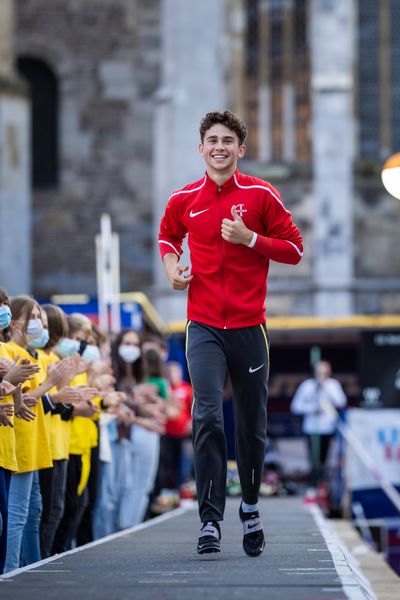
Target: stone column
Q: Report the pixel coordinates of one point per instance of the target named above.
(332, 39)
(194, 68)
(385, 100)
(15, 237)
(6, 38)
(288, 91)
(264, 90)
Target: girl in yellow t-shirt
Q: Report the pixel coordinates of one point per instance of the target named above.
(31, 442)
(54, 479)
(8, 460)
(14, 374)
(84, 437)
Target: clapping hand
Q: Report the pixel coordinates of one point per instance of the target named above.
(23, 404)
(6, 411)
(6, 388)
(18, 372)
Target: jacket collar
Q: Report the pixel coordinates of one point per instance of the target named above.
(230, 183)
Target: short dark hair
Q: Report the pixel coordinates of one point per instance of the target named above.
(227, 118)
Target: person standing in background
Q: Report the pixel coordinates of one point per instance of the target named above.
(319, 424)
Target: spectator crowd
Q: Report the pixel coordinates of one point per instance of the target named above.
(93, 430)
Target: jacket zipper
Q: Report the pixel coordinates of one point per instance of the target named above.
(221, 256)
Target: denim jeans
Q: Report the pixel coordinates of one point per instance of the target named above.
(5, 477)
(140, 460)
(24, 512)
(105, 511)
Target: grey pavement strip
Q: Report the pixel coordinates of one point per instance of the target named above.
(158, 560)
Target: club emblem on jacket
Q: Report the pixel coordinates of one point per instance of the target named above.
(240, 209)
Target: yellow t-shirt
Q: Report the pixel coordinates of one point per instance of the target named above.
(8, 458)
(43, 362)
(84, 434)
(32, 443)
(60, 431)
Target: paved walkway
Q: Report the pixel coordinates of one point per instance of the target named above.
(303, 560)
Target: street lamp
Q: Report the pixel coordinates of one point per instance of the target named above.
(391, 175)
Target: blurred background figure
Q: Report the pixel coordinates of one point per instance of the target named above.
(175, 470)
(319, 424)
(139, 442)
(178, 430)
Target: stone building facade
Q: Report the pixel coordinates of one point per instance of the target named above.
(104, 55)
(306, 99)
(15, 193)
(126, 78)
(330, 110)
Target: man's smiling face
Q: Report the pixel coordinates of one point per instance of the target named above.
(221, 150)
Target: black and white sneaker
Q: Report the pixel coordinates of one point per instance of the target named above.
(210, 538)
(253, 534)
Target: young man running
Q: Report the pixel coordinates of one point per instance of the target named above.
(235, 224)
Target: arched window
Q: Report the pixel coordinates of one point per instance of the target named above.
(44, 99)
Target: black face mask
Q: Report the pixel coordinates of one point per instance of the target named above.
(82, 347)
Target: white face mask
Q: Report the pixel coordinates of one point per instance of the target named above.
(41, 341)
(129, 354)
(91, 353)
(67, 347)
(34, 329)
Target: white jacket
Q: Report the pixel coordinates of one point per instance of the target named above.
(309, 401)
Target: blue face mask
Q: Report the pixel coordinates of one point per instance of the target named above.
(5, 316)
(91, 353)
(41, 341)
(67, 347)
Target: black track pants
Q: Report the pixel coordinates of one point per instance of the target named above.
(213, 354)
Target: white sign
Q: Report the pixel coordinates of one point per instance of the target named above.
(378, 431)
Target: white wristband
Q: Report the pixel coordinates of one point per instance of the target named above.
(253, 240)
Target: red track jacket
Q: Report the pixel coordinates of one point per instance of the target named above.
(229, 282)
